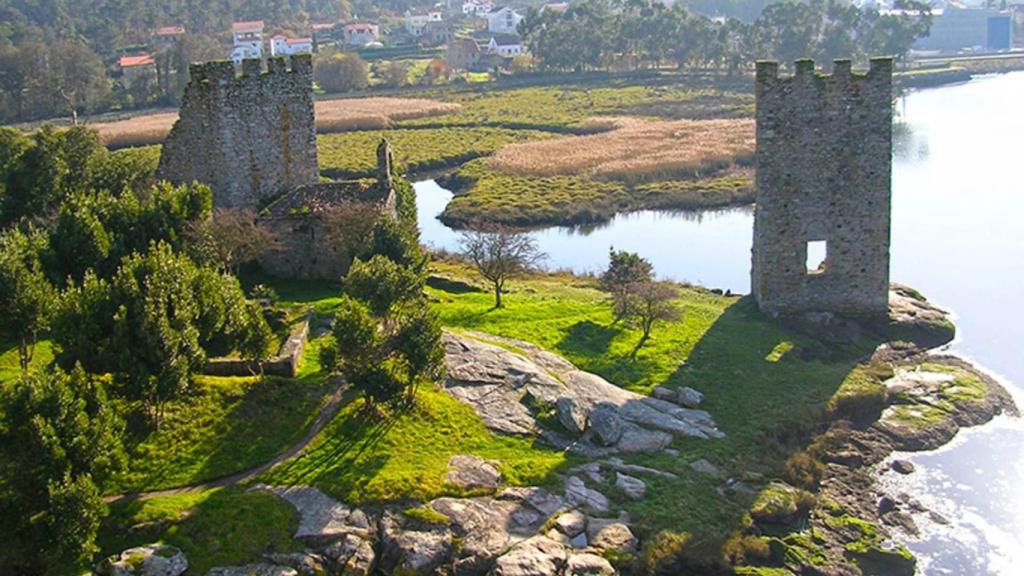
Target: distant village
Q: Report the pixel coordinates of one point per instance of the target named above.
(475, 36)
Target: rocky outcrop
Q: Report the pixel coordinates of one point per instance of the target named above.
(148, 560)
(413, 549)
(913, 319)
(321, 518)
(596, 416)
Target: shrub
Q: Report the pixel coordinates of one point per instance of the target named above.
(802, 469)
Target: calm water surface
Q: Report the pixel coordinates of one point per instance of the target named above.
(958, 236)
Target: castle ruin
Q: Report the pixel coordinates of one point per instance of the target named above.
(250, 136)
(824, 165)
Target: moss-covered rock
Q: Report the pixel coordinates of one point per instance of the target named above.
(781, 504)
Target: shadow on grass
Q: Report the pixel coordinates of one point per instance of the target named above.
(346, 439)
(588, 338)
(220, 527)
(769, 406)
(227, 427)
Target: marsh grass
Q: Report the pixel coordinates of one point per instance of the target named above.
(635, 150)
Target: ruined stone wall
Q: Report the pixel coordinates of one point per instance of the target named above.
(306, 248)
(248, 136)
(823, 174)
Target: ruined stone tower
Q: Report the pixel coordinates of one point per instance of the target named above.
(249, 137)
(823, 185)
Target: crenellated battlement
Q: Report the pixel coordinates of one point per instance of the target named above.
(224, 71)
(824, 155)
(879, 73)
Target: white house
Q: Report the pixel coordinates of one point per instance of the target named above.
(507, 45)
(247, 40)
(476, 7)
(361, 33)
(416, 19)
(282, 46)
(503, 21)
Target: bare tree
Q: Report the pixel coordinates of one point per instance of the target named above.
(231, 238)
(648, 302)
(499, 254)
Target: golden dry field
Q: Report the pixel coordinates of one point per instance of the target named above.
(377, 113)
(634, 149)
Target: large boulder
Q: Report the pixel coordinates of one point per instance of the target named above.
(571, 415)
(148, 560)
(538, 556)
(633, 488)
(577, 493)
(352, 555)
(606, 423)
(688, 397)
(610, 535)
(587, 564)
(473, 473)
(414, 551)
(572, 523)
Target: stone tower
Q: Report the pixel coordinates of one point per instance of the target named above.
(249, 137)
(824, 162)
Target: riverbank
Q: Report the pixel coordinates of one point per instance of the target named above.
(483, 195)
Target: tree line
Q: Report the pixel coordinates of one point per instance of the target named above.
(599, 34)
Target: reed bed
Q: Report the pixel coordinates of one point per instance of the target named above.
(331, 116)
(635, 150)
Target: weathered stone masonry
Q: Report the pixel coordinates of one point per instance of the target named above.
(823, 174)
(249, 137)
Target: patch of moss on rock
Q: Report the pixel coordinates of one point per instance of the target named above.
(781, 504)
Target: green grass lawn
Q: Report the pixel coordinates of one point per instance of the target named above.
(228, 425)
(360, 458)
(515, 200)
(353, 154)
(220, 527)
(10, 365)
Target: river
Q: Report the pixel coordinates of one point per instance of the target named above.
(957, 236)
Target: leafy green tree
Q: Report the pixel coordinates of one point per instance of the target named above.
(391, 239)
(340, 72)
(152, 324)
(25, 294)
(59, 439)
(417, 342)
(625, 269)
(382, 284)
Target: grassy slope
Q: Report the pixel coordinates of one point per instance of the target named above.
(227, 426)
(220, 527)
(363, 459)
